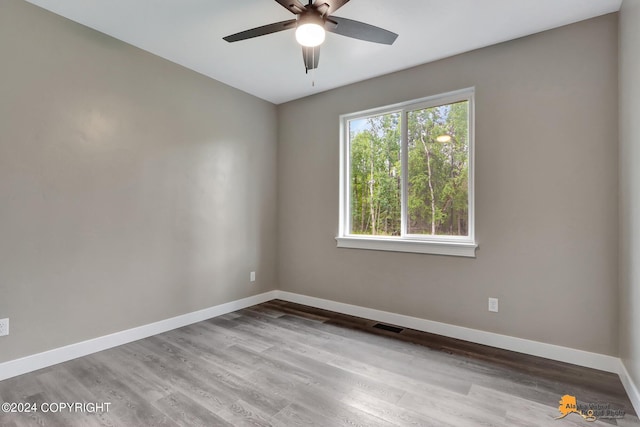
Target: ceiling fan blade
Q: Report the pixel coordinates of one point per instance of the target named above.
(360, 30)
(293, 6)
(332, 5)
(311, 57)
(261, 31)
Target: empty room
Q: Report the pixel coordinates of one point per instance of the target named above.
(327, 213)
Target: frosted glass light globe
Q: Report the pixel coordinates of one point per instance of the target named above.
(310, 34)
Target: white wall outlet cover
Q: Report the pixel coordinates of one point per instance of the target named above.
(252, 276)
(4, 327)
(493, 305)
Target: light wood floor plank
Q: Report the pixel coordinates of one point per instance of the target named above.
(284, 364)
(187, 413)
(242, 414)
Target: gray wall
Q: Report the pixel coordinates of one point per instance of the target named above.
(131, 189)
(630, 188)
(546, 193)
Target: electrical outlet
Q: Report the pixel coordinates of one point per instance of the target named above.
(252, 276)
(4, 327)
(493, 305)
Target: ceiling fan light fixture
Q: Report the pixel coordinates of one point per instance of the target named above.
(310, 31)
(311, 23)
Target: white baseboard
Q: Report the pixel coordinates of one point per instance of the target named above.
(550, 351)
(534, 348)
(630, 387)
(37, 361)
(602, 362)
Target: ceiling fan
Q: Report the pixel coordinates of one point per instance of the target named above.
(311, 23)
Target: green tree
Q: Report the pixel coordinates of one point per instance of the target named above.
(437, 176)
(438, 170)
(375, 176)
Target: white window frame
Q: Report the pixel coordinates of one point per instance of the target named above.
(464, 246)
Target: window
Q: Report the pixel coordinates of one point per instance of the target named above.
(406, 179)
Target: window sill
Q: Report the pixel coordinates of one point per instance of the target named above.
(451, 248)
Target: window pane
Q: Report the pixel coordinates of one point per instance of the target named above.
(438, 147)
(375, 175)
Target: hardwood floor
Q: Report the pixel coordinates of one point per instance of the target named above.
(283, 364)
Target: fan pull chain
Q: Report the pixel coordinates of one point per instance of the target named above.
(313, 66)
(313, 71)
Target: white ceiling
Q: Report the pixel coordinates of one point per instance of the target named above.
(189, 32)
